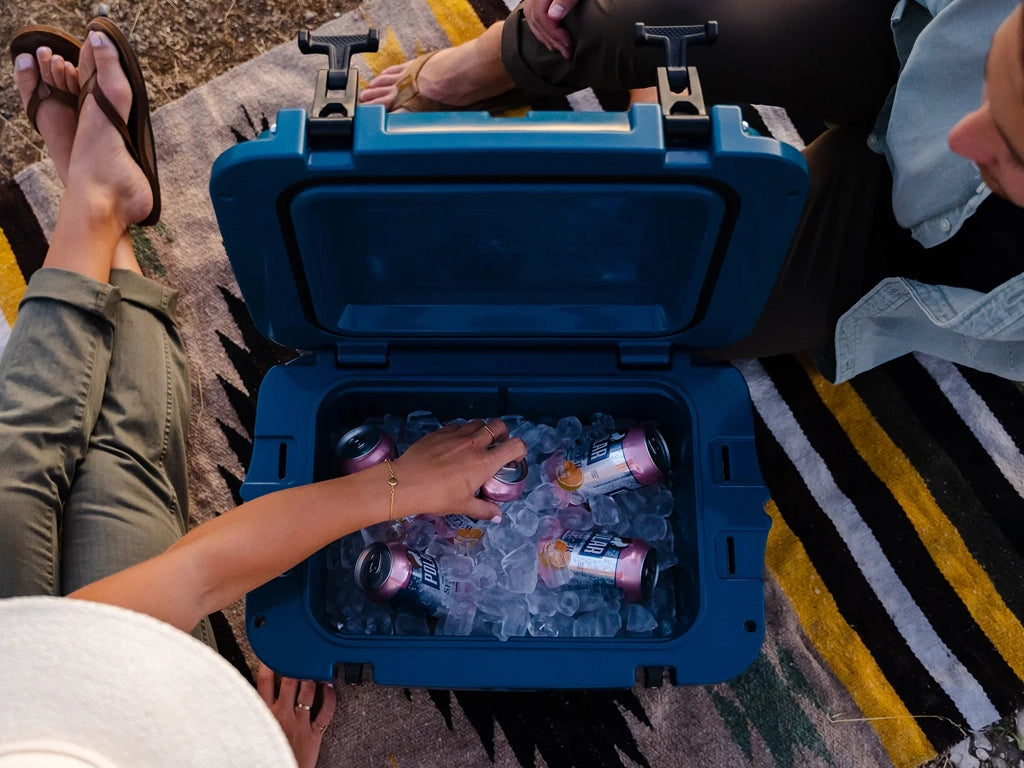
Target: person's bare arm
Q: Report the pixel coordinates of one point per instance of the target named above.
(219, 561)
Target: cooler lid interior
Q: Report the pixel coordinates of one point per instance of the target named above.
(483, 258)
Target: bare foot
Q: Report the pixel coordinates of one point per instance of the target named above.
(100, 162)
(56, 121)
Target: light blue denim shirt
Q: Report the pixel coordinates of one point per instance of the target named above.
(942, 45)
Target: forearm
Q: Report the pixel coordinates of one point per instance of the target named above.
(220, 561)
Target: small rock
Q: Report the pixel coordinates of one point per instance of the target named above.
(961, 757)
(103, 9)
(309, 16)
(981, 741)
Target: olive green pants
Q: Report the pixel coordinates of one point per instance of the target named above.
(94, 410)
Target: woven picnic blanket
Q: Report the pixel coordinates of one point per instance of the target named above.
(893, 568)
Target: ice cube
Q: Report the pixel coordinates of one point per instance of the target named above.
(576, 518)
(543, 626)
(524, 521)
(419, 533)
(547, 439)
(483, 577)
(660, 501)
(420, 423)
(543, 498)
(591, 599)
(650, 527)
(515, 621)
(534, 477)
(630, 503)
(439, 548)
(605, 511)
(554, 578)
(567, 602)
(585, 625)
(568, 430)
(520, 566)
(548, 527)
(608, 622)
(512, 421)
(543, 602)
(456, 567)
(459, 620)
(639, 619)
(495, 601)
(411, 624)
(503, 538)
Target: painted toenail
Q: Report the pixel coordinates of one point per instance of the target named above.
(23, 61)
(95, 39)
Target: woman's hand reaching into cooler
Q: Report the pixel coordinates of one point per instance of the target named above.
(441, 473)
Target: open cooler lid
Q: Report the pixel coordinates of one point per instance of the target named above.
(556, 227)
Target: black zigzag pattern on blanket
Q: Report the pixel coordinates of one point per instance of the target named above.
(565, 728)
(251, 360)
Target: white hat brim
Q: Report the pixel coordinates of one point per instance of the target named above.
(127, 687)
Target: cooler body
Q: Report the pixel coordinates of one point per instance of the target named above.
(543, 267)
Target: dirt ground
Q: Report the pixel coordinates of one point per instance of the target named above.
(181, 44)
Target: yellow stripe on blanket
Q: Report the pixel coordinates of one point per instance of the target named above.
(842, 648)
(458, 20)
(12, 282)
(939, 536)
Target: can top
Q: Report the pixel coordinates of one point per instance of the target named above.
(373, 566)
(649, 575)
(513, 472)
(358, 442)
(657, 447)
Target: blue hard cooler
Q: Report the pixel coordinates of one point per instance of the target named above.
(550, 265)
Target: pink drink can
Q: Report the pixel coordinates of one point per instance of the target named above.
(363, 447)
(387, 572)
(508, 482)
(594, 556)
(619, 461)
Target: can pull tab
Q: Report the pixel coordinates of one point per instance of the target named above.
(679, 91)
(333, 115)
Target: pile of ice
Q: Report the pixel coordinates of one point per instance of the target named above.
(500, 590)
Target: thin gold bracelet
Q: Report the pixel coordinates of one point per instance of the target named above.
(392, 482)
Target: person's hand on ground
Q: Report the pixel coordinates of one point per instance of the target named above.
(544, 18)
(292, 704)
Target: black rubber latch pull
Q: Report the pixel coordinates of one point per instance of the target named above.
(339, 50)
(674, 40)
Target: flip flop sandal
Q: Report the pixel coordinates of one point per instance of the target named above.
(410, 98)
(28, 40)
(137, 132)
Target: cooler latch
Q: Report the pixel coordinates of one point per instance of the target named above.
(332, 115)
(645, 354)
(679, 91)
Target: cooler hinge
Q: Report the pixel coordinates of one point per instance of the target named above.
(645, 354)
(370, 354)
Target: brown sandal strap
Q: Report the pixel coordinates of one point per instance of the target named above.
(410, 98)
(38, 97)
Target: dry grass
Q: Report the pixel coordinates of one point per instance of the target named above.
(181, 44)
